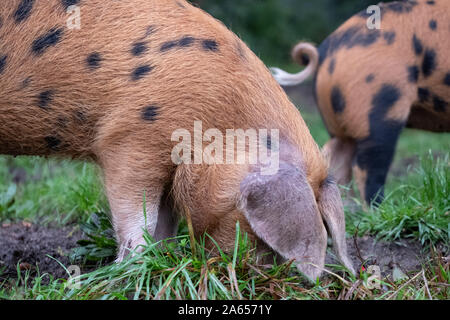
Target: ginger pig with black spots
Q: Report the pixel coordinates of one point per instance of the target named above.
(372, 83)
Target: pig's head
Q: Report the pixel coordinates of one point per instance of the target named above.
(284, 212)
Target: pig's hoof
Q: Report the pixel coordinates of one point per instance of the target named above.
(129, 248)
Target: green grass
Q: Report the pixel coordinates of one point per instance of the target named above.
(417, 207)
(316, 127)
(182, 269)
(57, 191)
(61, 192)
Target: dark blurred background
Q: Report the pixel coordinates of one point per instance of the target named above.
(272, 27)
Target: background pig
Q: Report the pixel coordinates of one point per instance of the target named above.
(371, 83)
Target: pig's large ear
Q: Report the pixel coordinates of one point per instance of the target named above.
(332, 210)
(282, 211)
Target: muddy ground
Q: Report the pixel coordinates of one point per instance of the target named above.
(30, 246)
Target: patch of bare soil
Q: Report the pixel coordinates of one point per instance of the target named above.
(30, 246)
(405, 255)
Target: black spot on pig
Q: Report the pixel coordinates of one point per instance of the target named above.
(332, 66)
(166, 46)
(139, 48)
(68, 3)
(150, 30)
(413, 74)
(210, 45)
(337, 100)
(93, 60)
(385, 99)
(26, 83)
(149, 113)
(370, 78)
(431, 2)
(53, 143)
(141, 72)
(186, 41)
(396, 7)
(439, 104)
(2, 63)
(45, 98)
(389, 37)
(424, 94)
(23, 11)
(447, 79)
(433, 24)
(417, 45)
(352, 37)
(183, 42)
(51, 38)
(399, 6)
(429, 62)
(365, 39)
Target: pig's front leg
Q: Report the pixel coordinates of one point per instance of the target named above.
(133, 182)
